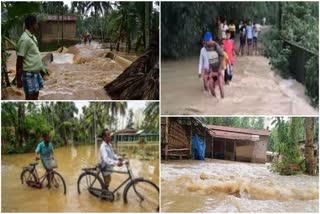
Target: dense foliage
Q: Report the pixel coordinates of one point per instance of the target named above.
(23, 123)
(183, 23)
(240, 122)
(134, 23)
(284, 138)
(299, 25)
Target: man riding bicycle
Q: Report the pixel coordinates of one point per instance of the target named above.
(108, 159)
(44, 151)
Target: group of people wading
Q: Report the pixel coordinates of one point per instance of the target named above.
(217, 56)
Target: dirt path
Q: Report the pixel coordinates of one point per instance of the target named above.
(255, 90)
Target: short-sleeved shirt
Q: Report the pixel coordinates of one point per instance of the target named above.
(224, 28)
(28, 49)
(256, 30)
(232, 27)
(249, 31)
(44, 151)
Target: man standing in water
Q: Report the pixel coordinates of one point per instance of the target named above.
(211, 65)
(44, 151)
(107, 157)
(29, 63)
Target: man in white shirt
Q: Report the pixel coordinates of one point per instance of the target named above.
(210, 64)
(224, 27)
(107, 157)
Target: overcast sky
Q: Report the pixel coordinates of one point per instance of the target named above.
(134, 105)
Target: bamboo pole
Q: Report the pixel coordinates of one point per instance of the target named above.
(166, 139)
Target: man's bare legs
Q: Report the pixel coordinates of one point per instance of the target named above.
(205, 77)
(219, 82)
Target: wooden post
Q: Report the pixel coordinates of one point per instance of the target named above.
(212, 147)
(166, 139)
(191, 139)
(205, 141)
(225, 149)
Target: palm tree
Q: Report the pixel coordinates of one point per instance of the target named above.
(98, 7)
(64, 117)
(152, 115)
(147, 23)
(80, 6)
(309, 146)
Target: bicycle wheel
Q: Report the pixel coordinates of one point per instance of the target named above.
(57, 182)
(89, 180)
(27, 177)
(144, 192)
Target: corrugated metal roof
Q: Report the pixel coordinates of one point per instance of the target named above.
(234, 135)
(127, 131)
(261, 132)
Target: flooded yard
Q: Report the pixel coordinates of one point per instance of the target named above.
(227, 186)
(71, 159)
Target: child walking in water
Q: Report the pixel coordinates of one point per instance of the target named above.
(228, 47)
(211, 65)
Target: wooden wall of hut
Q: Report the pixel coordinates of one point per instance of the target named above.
(176, 136)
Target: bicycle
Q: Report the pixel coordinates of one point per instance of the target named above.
(30, 177)
(140, 189)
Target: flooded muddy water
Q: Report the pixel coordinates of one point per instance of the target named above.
(71, 159)
(78, 73)
(255, 90)
(227, 186)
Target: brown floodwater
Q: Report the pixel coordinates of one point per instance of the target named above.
(227, 186)
(255, 90)
(20, 198)
(78, 73)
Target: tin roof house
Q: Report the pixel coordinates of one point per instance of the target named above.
(221, 142)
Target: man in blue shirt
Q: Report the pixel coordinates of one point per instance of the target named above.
(44, 151)
(249, 33)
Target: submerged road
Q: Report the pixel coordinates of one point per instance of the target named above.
(254, 90)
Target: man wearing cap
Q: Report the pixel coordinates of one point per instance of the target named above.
(211, 65)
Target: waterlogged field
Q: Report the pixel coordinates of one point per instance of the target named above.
(226, 186)
(20, 198)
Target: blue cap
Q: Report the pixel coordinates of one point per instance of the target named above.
(207, 36)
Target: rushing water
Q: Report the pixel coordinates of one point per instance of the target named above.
(254, 90)
(78, 73)
(227, 186)
(20, 198)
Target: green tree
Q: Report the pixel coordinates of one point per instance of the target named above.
(152, 116)
(130, 119)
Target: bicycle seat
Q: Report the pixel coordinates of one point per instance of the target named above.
(34, 164)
